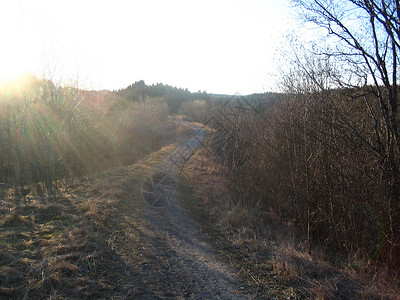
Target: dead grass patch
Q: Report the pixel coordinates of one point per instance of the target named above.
(44, 213)
(14, 219)
(49, 250)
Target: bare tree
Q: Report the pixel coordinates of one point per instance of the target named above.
(365, 35)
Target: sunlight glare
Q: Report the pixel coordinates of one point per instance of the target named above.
(11, 69)
(15, 50)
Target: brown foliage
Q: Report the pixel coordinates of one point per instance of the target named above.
(310, 157)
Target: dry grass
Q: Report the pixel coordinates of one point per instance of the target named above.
(79, 242)
(52, 249)
(272, 259)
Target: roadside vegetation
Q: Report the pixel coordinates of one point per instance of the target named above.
(50, 134)
(323, 156)
(270, 254)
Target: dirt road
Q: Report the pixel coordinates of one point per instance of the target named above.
(180, 262)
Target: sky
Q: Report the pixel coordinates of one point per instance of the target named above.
(220, 46)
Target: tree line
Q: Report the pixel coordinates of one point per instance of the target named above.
(173, 96)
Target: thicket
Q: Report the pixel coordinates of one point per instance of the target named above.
(50, 133)
(308, 157)
(326, 156)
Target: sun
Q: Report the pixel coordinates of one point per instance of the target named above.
(16, 54)
(12, 66)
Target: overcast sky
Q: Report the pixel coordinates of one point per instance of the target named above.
(213, 45)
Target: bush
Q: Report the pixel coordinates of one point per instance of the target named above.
(196, 110)
(49, 133)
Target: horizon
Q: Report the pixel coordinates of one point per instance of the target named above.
(221, 47)
(15, 83)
